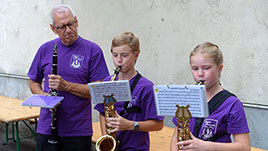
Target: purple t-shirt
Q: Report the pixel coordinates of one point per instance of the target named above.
(229, 118)
(143, 97)
(82, 63)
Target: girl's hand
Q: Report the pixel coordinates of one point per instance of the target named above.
(193, 145)
(119, 123)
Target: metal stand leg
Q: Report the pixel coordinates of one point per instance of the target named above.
(35, 128)
(17, 136)
(13, 133)
(33, 132)
(6, 134)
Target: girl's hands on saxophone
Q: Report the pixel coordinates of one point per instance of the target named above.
(194, 144)
(119, 123)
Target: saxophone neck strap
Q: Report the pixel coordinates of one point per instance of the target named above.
(213, 104)
(133, 85)
(133, 109)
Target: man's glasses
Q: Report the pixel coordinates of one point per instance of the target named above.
(71, 25)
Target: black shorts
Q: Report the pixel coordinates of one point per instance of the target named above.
(80, 143)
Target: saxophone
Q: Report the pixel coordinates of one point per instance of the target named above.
(183, 118)
(108, 142)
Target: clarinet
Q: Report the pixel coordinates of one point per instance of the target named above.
(53, 92)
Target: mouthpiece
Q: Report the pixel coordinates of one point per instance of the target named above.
(201, 82)
(55, 46)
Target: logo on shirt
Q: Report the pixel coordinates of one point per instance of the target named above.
(209, 128)
(76, 61)
(133, 102)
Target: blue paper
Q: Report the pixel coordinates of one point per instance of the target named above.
(42, 101)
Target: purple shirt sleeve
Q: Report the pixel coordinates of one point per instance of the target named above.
(237, 122)
(36, 72)
(98, 66)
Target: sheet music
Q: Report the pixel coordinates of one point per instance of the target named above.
(119, 89)
(167, 97)
(42, 101)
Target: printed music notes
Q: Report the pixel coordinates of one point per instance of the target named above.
(167, 97)
(119, 89)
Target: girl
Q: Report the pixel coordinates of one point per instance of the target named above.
(133, 120)
(229, 118)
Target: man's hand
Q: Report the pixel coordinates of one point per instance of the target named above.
(57, 82)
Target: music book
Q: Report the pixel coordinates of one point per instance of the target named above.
(42, 101)
(168, 96)
(119, 89)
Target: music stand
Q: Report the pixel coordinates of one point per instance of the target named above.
(42, 101)
(120, 90)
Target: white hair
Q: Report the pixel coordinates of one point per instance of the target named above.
(60, 8)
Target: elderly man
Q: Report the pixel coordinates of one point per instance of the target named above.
(79, 62)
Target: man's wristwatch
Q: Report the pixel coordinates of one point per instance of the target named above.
(136, 126)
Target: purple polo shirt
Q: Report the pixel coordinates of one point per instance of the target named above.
(143, 97)
(82, 63)
(229, 118)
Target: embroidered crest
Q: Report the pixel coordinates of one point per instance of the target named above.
(133, 102)
(209, 128)
(76, 61)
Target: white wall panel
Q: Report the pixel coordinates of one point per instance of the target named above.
(168, 31)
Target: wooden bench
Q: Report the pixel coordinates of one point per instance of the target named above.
(160, 140)
(32, 121)
(257, 149)
(11, 113)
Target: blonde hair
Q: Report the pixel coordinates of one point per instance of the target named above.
(211, 50)
(127, 38)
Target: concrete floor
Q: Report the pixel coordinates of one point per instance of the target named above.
(25, 144)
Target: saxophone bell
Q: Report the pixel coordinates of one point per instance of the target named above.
(106, 143)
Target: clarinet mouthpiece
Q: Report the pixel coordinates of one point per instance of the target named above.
(55, 46)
